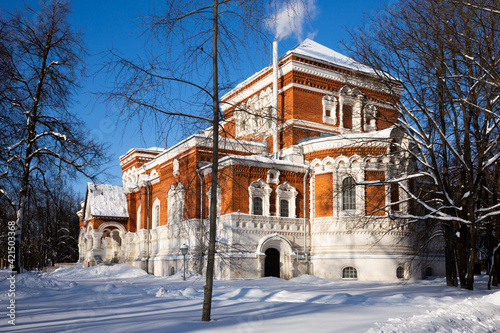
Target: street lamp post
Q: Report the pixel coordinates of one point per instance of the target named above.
(184, 251)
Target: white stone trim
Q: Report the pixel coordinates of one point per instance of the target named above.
(334, 76)
(117, 225)
(138, 218)
(299, 66)
(260, 162)
(370, 112)
(273, 176)
(261, 245)
(344, 141)
(287, 192)
(175, 200)
(253, 115)
(198, 140)
(329, 109)
(156, 215)
(360, 256)
(175, 167)
(260, 189)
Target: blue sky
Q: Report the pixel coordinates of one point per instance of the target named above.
(114, 24)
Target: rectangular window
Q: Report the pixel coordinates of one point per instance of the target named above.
(257, 206)
(348, 194)
(284, 208)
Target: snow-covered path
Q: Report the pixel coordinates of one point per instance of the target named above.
(124, 299)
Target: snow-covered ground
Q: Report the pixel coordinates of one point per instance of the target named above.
(125, 299)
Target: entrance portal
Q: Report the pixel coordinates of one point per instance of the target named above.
(272, 264)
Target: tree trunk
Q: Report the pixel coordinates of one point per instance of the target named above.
(462, 256)
(496, 270)
(208, 288)
(472, 257)
(496, 258)
(450, 255)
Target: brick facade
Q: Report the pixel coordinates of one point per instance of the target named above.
(334, 122)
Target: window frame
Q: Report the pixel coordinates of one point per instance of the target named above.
(349, 194)
(288, 193)
(156, 214)
(260, 206)
(351, 271)
(261, 189)
(287, 208)
(400, 272)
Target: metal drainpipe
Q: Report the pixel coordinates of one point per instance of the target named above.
(148, 194)
(201, 222)
(305, 206)
(275, 100)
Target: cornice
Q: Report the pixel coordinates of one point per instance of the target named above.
(200, 141)
(249, 88)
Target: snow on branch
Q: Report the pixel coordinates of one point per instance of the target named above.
(6, 196)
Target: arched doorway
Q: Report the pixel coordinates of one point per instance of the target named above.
(272, 263)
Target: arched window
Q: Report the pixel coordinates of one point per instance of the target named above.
(400, 272)
(348, 194)
(284, 208)
(349, 273)
(156, 217)
(139, 211)
(257, 206)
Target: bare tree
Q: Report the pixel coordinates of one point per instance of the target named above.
(445, 55)
(51, 226)
(197, 47)
(40, 62)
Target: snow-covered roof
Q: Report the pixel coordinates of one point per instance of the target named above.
(364, 136)
(379, 139)
(260, 161)
(311, 49)
(151, 150)
(105, 200)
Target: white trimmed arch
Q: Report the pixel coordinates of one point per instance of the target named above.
(328, 161)
(277, 241)
(355, 158)
(341, 159)
(117, 225)
(316, 163)
(287, 255)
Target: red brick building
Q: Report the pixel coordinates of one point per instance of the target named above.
(318, 205)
